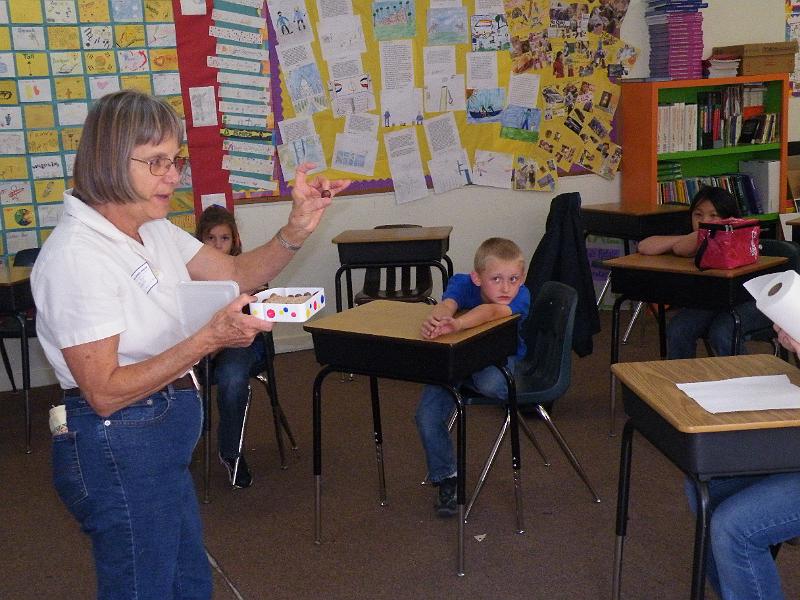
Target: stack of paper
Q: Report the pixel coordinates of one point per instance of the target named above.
(767, 392)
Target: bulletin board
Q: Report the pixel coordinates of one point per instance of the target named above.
(533, 34)
(56, 57)
(569, 53)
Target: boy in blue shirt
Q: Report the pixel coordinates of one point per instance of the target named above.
(494, 289)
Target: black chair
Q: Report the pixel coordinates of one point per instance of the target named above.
(791, 250)
(382, 283)
(267, 378)
(21, 326)
(542, 377)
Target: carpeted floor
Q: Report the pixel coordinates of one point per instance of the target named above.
(262, 537)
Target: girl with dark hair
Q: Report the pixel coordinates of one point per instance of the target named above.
(688, 325)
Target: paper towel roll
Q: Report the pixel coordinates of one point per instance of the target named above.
(780, 301)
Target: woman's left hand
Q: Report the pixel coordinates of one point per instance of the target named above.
(310, 199)
(787, 341)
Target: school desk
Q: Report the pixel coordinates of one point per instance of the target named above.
(16, 299)
(612, 220)
(701, 444)
(666, 279)
(382, 339)
(391, 247)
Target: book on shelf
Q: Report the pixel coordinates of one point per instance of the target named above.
(739, 185)
(766, 175)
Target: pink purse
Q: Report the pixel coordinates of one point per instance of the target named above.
(727, 244)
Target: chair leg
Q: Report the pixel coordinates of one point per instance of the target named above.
(279, 420)
(532, 438)
(604, 290)
(636, 312)
(488, 465)
(566, 449)
(241, 435)
(7, 365)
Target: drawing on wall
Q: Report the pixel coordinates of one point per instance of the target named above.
(485, 105)
(446, 26)
(489, 32)
(520, 123)
(305, 89)
(394, 20)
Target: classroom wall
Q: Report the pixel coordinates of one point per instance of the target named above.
(474, 212)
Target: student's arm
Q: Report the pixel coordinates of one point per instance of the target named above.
(686, 245)
(472, 318)
(682, 245)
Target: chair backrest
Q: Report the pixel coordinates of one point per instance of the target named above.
(790, 250)
(26, 257)
(373, 287)
(545, 372)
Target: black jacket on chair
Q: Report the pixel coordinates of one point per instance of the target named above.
(561, 256)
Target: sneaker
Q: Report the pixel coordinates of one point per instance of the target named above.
(243, 477)
(446, 502)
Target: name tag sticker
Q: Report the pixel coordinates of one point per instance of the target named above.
(145, 278)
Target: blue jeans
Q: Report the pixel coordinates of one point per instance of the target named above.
(434, 410)
(126, 480)
(231, 370)
(690, 324)
(748, 515)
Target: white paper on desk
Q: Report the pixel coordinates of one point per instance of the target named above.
(778, 296)
(764, 392)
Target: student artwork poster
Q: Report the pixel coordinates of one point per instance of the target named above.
(550, 93)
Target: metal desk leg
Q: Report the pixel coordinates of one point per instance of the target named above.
(338, 288)
(516, 458)
(623, 490)
(206, 427)
(662, 331)
(700, 541)
(614, 359)
(317, 410)
(376, 427)
(26, 377)
(461, 466)
(449, 263)
(737, 332)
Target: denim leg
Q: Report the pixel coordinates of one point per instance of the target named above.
(720, 332)
(748, 515)
(490, 381)
(232, 368)
(685, 328)
(125, 478)
(433, 412)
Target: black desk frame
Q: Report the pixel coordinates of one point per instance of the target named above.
(461, 445)
(15, 300)
(666, 287)
(701, 457)
(347, 269)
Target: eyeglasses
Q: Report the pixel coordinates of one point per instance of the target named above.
(160, 166)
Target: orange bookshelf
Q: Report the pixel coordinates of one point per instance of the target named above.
(638, 112)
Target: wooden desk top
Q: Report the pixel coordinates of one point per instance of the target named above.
(670, 263)
(794, 222)
(395, 320)
(394, 234)
(14, 275)
(617, 208)
(654, 382)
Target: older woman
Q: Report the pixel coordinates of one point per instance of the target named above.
(105, 289)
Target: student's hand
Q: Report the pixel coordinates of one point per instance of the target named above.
(441, 326)
(787, 341)
(309, 201)
(230, 327)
